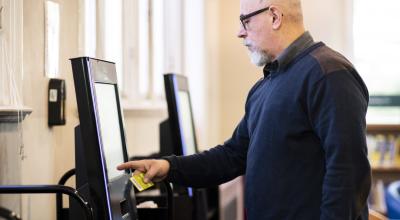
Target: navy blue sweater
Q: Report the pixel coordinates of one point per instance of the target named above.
(301, 143)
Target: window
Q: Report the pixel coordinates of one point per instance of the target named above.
(144, 38)
(376, 45)
(112, 35)
(11, 73)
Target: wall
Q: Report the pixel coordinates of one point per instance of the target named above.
(10, 89)
(330, 21)
(235, 71)
(10, 163)
(49, 151)
(141, 128)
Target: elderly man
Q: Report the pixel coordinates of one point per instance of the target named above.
(301, 143)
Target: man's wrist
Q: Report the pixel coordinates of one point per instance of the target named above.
(171, 160)
(172, 165)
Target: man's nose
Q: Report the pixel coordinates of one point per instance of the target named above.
(242, 32)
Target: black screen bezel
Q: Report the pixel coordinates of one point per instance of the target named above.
(173, 84)
(86, 72)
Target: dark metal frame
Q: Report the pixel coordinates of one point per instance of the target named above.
(72, 172)
(8, 214)
(49, 189)
(59, 204)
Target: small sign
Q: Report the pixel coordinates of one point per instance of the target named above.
(53, 95)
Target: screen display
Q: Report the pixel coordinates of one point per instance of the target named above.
(185, 119)
(110, 128)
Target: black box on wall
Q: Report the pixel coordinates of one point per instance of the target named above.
(56, 102)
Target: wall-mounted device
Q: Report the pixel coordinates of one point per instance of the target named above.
(56, 102)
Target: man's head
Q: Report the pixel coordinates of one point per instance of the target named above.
(269, 26)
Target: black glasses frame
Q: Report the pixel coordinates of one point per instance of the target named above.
(243, 18)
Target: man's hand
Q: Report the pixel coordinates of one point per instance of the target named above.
(154, 170)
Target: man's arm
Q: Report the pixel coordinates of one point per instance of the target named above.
(215, 166)
(209, 168)
(338, 104)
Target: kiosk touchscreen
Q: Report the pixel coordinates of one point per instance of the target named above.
(180, 121)
(177, 133)
(100, 141)
(177, 136)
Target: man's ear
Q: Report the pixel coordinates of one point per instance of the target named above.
(277, 17)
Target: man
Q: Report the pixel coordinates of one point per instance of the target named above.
(301, 143)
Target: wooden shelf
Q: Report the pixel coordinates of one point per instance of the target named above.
(383, 128)
(386, 169)
(387, 174)
(10, 114)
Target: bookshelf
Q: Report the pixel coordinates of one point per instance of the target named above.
(383, 143)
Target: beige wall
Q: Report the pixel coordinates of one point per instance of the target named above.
(236, 73)
(330, 21)
(49, 151)
(141, 128)
(10, 164)
(10, 133)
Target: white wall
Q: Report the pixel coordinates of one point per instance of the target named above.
(10, 91)
(10, 164)
(142, 130)
(330, 21)
(49, 151)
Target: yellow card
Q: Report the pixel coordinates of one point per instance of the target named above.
(139, 183)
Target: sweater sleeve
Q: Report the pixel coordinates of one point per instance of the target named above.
(212, 167)
(217, 165)
(338, 104)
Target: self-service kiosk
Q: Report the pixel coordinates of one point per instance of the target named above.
(100, 141)
(102, 192)
(178, 137)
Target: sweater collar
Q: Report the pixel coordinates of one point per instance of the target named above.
(289, 54)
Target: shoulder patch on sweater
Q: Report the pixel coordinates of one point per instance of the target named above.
(330, 60)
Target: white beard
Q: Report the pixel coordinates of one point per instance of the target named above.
(257, 56)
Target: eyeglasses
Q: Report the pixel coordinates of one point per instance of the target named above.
(244, 18)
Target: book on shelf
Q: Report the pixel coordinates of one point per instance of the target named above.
(384, 149)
